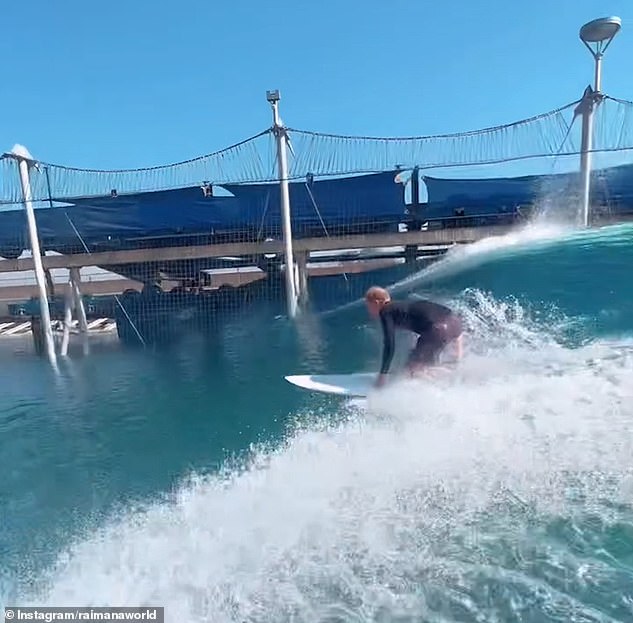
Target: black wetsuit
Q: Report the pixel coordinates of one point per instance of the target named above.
(434, 323)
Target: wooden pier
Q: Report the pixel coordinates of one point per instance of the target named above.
(447, 236)
(315, 257)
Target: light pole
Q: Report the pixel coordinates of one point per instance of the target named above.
(282, 162)
(25, 164)
(599, 32)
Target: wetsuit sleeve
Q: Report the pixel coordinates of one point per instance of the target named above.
(388, 336)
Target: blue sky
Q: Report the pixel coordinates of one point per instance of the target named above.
(130, 84)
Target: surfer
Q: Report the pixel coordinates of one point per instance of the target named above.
(436, 326)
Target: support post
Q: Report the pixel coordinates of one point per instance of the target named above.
(586, 108)
(75, 280)
(282, 161)
(36, 331)
(411, 253)
(68, 317)
(415, 189)
(23, 158)
(302, 278)
(598, 33)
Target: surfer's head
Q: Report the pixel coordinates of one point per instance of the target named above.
(375, 299)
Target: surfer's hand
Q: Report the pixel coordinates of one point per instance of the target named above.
(381, 380)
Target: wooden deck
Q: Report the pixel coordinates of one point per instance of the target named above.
(324, 256)
(302, 245)
(438, 236)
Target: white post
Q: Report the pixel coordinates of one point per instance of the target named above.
(68, 317)
(23, 157)
(282, 160)
(302, 277)
(599, 32)
(597, 76)
(75, 280)
(586, 145)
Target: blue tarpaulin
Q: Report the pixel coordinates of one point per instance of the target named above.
(606, 185)
(187, 211)
(366, 198)
(316, 207)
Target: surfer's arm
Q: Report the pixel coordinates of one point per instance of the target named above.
(388, 338)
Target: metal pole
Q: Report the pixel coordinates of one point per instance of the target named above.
(586, 146)
(282, 160)
(68, 317)
(302, 277)
(597, 32)
(598, 73)
(75, 281)
(589, 101)
(23, 164)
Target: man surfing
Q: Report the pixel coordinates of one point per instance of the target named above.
(436, 326)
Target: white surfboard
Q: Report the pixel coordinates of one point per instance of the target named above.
(357, 385)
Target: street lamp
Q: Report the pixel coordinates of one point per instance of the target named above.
(599, 32)
(279, 131)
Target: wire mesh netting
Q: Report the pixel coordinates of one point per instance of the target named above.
(179, 247)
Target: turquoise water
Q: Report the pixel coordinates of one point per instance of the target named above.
(196, 478)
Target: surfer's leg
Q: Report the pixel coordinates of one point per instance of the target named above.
(457, 333)
(432, 343)
(411, 359)
(423, 355)
(450, 331)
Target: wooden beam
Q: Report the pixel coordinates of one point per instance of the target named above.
(89, 288)
(362, 241)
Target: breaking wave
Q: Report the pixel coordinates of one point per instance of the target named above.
(503, 492)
